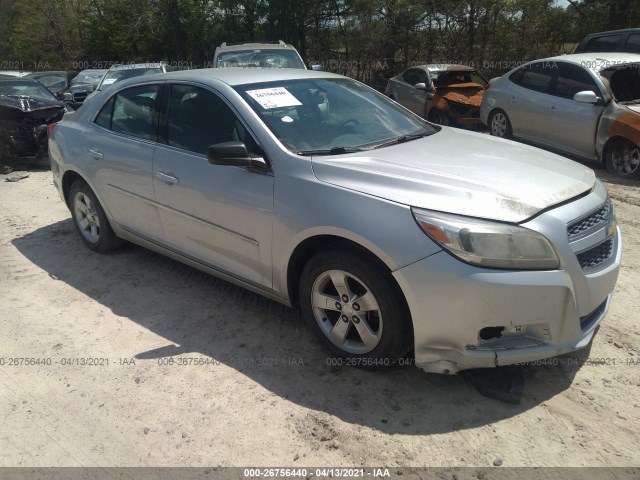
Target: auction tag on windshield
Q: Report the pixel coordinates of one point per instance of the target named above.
(277, 97)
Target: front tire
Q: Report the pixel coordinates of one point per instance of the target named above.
(622, 158)
(355, 309)
(90, 219)
(500, 125)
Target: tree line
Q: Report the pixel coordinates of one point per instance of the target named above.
(370, 40)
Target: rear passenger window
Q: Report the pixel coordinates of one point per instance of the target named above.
(573, 79)
(538, 76)
(607, 43)
(131, 112)
(104, 117)
(633, 43)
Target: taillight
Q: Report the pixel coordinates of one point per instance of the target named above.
(50, 128)
(486, 87)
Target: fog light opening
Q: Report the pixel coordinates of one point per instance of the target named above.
(491, 332)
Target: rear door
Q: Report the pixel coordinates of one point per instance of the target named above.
(119, 146)
(528, 100)
(218, 215)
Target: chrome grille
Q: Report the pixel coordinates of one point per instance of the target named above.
(79, 97)
(597, 255)
(22, 141)
(592, 222)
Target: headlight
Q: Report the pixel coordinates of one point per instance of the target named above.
(488, 244)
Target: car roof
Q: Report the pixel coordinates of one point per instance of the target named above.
(596, 61)
(19, 80)
(51, 72)
(237, 76)
(446, 67)
(235, 46)
(14, 73)
(126, 66)
(613, 32)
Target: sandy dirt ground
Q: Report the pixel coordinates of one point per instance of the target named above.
(146, 362)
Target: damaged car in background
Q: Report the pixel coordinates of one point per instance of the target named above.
(587, 105)
(26, 109)
(443, 94)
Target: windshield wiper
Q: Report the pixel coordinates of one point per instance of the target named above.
(331, 151)
(403, 139)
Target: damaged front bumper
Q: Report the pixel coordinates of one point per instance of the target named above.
(469, 317)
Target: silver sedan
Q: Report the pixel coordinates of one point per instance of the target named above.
(587, 105)
(393, 236)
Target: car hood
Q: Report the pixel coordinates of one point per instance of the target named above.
(463, 173)
(633, 108)
(463, 93)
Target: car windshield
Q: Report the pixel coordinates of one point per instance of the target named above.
(51, 80)
(447, 78)
(264, 58)
(25, 87)
(625, 82)
(122, 74)
(330, 116)
(89, 77)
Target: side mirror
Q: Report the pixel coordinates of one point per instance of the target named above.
(421, 86)
(586, 97)
(234, 154)
(67, 97)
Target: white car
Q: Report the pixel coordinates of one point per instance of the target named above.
(586, 105)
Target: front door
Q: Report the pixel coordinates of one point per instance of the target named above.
(218, 215)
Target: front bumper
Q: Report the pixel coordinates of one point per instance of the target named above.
(470, 317)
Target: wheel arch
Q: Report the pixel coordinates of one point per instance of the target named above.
(68, 179)
(607, 145)
(310, 246)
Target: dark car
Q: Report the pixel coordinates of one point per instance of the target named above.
(56, 82)
(82, 86)
(613, 41)
(26, 108)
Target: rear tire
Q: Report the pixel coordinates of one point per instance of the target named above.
(90, 219)
(355, 309)
(500, 125)
(622, 158)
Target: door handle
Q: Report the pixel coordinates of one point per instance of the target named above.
(170, 179)
(95, 153)
(552, 109)
(513, 100)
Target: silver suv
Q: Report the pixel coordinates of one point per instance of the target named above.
(253, 54)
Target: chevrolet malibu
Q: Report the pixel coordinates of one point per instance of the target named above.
(393, 236)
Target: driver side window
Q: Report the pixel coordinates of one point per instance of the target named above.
(198, 118)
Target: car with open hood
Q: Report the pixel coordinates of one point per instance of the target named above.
(395, 237)
(586, 105)
(442, 93)
(26, 108)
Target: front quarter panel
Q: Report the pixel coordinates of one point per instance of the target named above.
(617, 121)
(306, 207)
